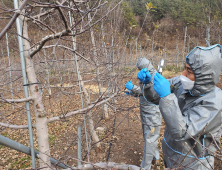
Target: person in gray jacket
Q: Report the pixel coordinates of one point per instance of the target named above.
(191, 106)
(150, 118)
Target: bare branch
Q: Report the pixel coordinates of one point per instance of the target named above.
(70, 50)
(15, 126)
(216, 143)
(194, 139)
(42, 14)
(94, 22)
(45, 13)
(49, 5)
(17, 13)
(197, 158)
(80, 111)
(47, 38)
(35, 20)
(193, 145)
(16, 100)
(62, 15)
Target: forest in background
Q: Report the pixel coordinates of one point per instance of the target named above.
(166, 20)
(172, 16)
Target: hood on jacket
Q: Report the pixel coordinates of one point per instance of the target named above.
(142, 62)
(206, 64)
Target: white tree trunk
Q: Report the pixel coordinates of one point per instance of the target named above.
(89, 114)
(86, 96)
(41, 119)
(97, 69)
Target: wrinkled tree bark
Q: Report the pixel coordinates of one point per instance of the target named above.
(41, 119)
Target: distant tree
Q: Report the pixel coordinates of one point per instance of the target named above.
(211, 10)
(128, 14)
(161, 10)
(186, 11)
(139, 7)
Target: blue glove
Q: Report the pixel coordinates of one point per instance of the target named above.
(129, 92)
(144, 76)
(129, 85)
(161, 85)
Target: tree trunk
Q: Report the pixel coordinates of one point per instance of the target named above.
(184, 45)
(48, 73)
(104, 108)
(208, 35)
(89, 114)
(86, 96)
(41, 119)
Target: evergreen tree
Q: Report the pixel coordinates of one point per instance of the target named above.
(186, 11)
(128, 14)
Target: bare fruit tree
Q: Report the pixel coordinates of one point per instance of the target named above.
(57, 54)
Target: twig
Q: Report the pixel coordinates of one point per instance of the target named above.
(179, 158)
(196, 158)
(193, 145)
(216, 143)
(62, 15)
(15, 126)
(47, 38)
(16, 100)
(111, 131)
(70, 50)
(36, 20)
(17, 13)
(197, 141)
(205, 148)
(86, 14)
(81, 111)
(209, 164)
(95, 22)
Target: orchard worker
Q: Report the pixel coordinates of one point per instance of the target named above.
(191, 106)
(150, 118)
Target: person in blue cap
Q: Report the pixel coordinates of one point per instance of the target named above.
(191, 106)
(150, 118)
